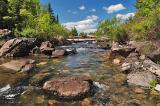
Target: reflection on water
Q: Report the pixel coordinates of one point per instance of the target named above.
(113, 89)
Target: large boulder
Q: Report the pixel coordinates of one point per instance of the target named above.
(71, 87)
(15, 48)
(46, 44)
(123, 50)
(47, 48)
(151, 66)
(141, 78)
(155, 55)
(22, 65)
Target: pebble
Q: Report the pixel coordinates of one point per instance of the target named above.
(138, 90)
(117, 61)
(157, 87)
(51, 102)
(126, 66)
(86, 102)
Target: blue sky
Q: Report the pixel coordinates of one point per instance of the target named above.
(85, 14)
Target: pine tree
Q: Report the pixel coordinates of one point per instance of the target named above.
(74, 32)
(51, 13)
(57, 19)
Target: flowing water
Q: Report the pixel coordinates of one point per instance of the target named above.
(113, 89)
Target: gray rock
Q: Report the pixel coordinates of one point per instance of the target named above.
(71, 51)
(151, 66)
(141, 78)
(15, 48)
(126, 66)
(157, 87)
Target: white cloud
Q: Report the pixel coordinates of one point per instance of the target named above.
(93, 10)
(82, 7)
(114, 8)
(87, 25)
(125, 16)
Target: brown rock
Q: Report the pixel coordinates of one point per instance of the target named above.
(46, 44)
(51, 102)
(108, 55)
(117, 61)
(71, 87)
(58, 53)
(47, 48)
(86, 102)
(122, 50)
(138, 90)
(23, 65)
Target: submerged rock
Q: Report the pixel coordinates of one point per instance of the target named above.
(71, 87)
(141, 78)
(40, 78)
(22, 65)
(11, 77)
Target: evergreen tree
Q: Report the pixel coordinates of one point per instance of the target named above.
(57, 19)
(74, 32)
(3, 8)
(51, 13)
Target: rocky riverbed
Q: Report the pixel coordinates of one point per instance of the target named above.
(82, 74)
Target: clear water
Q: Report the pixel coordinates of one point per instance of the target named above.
(113, 89)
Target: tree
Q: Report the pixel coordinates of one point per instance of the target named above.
(3, 8)
(83, 35)
(51, 13)
(74, 32)
(57, 19)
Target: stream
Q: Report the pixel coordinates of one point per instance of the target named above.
(112, 88)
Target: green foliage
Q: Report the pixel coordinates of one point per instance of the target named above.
(112, 29)
(144, 26)
(29, 18)
(3, 8)
(74, 32)
(83, 35)
(153, 84)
